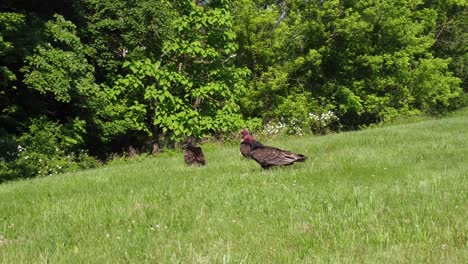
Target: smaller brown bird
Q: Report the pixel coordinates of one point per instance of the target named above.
(245, 147)
(193, 155)
(271, 156)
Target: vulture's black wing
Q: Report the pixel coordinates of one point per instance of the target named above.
(249, 144)
(194, 155)
(270, 156)
(246, 147)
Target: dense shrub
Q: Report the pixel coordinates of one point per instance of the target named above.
(45, 148)
(8, 154)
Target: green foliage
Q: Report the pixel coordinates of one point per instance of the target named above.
(9, 24)
(12, 26)
(123, 30)
(8, 154)
(193, 90)
(295, 111)
(59, 73)
(434, 88)
(59, 66)
(359, 59)
(46, 148)
(451, 36)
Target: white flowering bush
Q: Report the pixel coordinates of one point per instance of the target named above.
(295, 127)
(274, 128)
(322, 123)
(284, 126)
(317, 123)
(290, 117)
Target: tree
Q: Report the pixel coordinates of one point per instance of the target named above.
(59, 70)
(118, 31)
(10, 24)
(193, 89)
(355, 58)
(451, 35)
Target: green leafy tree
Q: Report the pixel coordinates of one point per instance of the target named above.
(59, 66)
(59, 70)
(451, 35)
(193, 89)
(355, 58)
(10, 24)
(16, 35)
(116, 31)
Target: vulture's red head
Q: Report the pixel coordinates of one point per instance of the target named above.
(244, 132)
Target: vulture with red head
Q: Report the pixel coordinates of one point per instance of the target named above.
(246, 147)
(193, 155)
(271, 156)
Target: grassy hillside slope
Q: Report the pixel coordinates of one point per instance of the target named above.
(390, 195)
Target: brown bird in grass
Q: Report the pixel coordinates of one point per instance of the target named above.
(271, 156)
(245, 147)
(193, 155)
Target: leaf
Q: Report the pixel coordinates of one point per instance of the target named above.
(161, 98)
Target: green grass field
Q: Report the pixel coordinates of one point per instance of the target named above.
(396, 194)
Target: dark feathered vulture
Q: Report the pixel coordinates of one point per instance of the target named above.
(271, 156)
(244, 146)
(193, 155)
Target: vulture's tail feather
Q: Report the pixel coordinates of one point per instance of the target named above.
(301, 158)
